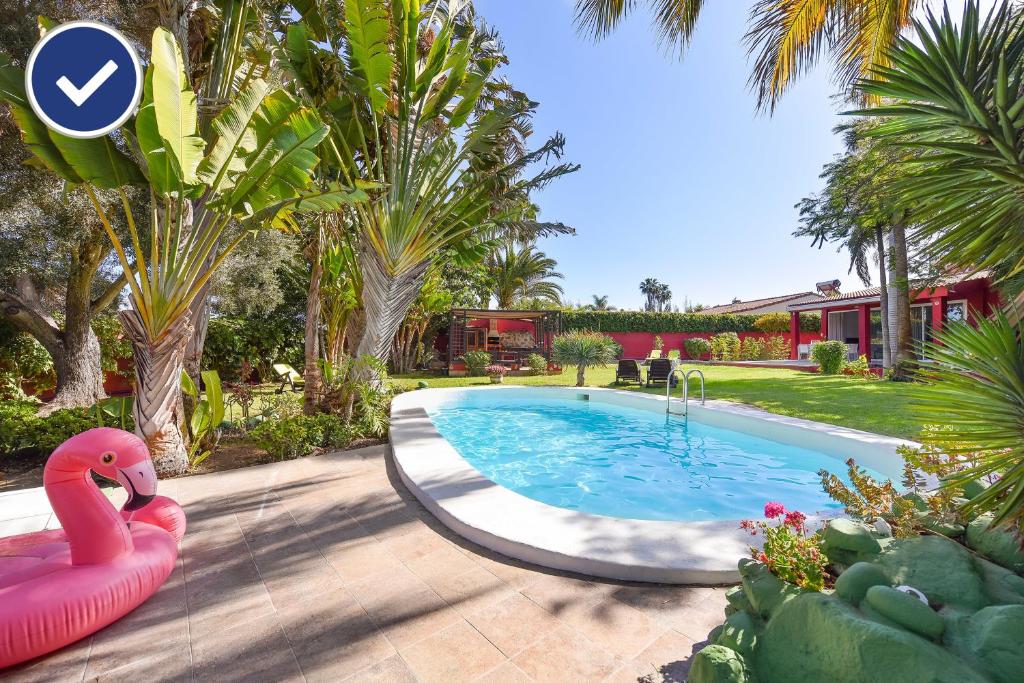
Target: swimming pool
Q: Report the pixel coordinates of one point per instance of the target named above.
(623, 461)
(597, 481)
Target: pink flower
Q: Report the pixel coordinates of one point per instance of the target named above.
(795, 519)
(773, 510)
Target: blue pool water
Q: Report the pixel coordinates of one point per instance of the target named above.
(627, 462)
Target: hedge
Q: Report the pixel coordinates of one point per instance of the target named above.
(655, 323)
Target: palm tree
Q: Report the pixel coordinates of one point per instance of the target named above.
(651, 289)
(787, 37)
(254, 169)
(523, 273)
(600, 303)
(956, 98)
(663, 297)
(584, 350)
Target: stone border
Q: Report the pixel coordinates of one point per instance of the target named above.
(627, 549)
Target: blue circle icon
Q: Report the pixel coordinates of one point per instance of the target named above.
(83, 79)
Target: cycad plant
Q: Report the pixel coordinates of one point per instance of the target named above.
(254, 169)
(975, 388)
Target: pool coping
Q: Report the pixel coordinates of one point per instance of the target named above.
(700, 552)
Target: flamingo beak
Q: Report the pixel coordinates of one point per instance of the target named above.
(139, 480)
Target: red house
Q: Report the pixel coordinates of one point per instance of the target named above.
(855, 318)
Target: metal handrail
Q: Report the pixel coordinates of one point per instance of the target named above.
(686, 391)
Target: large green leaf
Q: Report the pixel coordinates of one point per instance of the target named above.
(368, 27)
(331, 198)
(98, 161)
(235, 138)
(214, 396)
(175, 109)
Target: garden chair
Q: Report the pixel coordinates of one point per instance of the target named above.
(289, 377)
(660, 372)
(655, 353)
(628, 370)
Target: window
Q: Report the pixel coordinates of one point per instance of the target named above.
(876, 334)
(921, 326)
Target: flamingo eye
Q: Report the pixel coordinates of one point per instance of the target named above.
(108, 458)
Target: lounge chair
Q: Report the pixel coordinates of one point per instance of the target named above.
(289, 377)
(660, 371)
(629, 371)
(655, 353)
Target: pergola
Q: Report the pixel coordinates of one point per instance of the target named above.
(500, 333)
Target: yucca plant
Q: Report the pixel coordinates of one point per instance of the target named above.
(254, 170)
(584, 350)
(975, 389)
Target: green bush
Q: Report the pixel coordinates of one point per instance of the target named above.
(752, 348)
(810, 322)
(476, 361)
(697, 348)
(294, 437)
(773, 323)
(537, 363)
(859, 368)
(653, 322)
(829, 355)
(21, 429)
(725, 346)
(776, 348)
(22, 358)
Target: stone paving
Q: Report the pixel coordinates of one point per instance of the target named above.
(327, 569)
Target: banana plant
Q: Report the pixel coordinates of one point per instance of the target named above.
(254, 168)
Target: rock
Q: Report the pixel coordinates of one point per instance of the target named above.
(817, 637)
(999, 545)
(949, 529)
(974, 489)
(883, 528)
(739, 633)
(765, 591)
(996, 635)
(853, 584)
(943, 570)
(906, 610)
(718, 664)
(737, 599)
(1001, 585)
(846, 534)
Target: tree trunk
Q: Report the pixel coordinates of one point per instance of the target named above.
(883, 296)
(158, 367)
(904, 356)
(311, 369)
(75, 350)
(580, 370)
(386, 300)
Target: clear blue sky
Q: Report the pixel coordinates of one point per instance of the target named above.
(681, 179)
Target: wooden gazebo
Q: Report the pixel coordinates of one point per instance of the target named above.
(509, 336)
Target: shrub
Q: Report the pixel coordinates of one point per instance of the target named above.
(776, 348)
(697, 348)
(868, 500)
(537, 363)
(751, 348)
(294, 437)
(859, 368)
(653, 322)
(770, 323)
(22, 358)
(584, 350)
(659, 343)
(810, 322)
(789, 551)
(829, 355)
(22, 429)
(476, 361)
(725, 346)
(261, 342)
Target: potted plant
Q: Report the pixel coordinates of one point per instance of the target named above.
(496, 373)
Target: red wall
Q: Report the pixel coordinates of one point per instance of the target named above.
(639, 344)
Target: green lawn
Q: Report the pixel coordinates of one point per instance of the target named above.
(874, 406)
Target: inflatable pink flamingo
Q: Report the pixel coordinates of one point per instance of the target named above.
(59, 586)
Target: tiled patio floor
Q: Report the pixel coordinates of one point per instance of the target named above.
(327, 569)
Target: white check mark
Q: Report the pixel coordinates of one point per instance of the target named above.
(80, 95)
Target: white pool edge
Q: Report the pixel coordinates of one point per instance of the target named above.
(704, 553)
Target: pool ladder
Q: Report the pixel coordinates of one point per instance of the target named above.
(686, 392)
